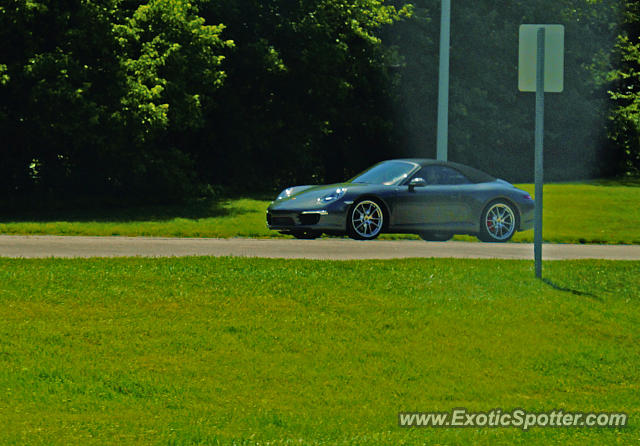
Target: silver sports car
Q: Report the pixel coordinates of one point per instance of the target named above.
(430, 198)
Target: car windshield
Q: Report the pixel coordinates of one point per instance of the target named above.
(387, 173)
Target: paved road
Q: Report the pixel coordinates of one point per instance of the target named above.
(337, 249)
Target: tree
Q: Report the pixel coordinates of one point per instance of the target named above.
(307, 93)
(58, 62)
(90, 91)
(625, 92)
(160, 98)
(171, 63)
(490, 122)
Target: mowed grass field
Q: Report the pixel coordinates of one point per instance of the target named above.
(607, 212)
(256, 351)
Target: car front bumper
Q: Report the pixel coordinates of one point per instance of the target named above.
(329, 219)
(526, 215)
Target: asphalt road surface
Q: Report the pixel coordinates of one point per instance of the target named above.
(332, 248)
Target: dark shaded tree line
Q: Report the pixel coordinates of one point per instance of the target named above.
(165, 99)
(624, 80)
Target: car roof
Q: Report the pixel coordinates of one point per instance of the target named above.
(474, 175)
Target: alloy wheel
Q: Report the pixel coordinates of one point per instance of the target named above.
(500, 221)
(367, 219)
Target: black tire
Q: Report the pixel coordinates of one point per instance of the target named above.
(498, 223)
(306, 235)
(366, 220)
(436, 236)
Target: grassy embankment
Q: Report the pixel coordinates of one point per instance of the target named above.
(241, 351)
(574, 213)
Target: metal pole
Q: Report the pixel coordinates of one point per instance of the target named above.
(539, 135)
(443, 83)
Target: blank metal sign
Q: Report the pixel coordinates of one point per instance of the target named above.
(553, 58)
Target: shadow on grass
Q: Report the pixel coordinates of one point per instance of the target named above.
(113, 212)
(572, 291)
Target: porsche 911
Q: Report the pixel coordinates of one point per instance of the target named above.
(433, 199)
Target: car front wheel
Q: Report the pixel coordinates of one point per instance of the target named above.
(498, 222)
(365, 220)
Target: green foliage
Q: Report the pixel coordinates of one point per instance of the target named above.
(4, 77)
(93, 88)
(307, 91)
(171, 58)
(625, 92)
(490, 121)
(164, 98)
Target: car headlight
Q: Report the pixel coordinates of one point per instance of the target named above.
(285, 193)
(333, 196)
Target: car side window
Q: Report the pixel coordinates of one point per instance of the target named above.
(441, 175)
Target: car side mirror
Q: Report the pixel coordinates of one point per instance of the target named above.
(417, 182)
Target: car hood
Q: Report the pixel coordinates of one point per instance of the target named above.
(504, 182)
(308, 198)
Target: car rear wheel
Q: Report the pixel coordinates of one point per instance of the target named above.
(498, 222)
(365, 220)
(436, 236)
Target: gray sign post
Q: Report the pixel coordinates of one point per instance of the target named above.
(443, 82)
(539, 164)
(540, 69)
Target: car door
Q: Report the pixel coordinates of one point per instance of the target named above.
(439, 204)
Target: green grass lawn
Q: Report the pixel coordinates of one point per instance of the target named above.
(606, 212)
(589, 213)
(258, 351)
